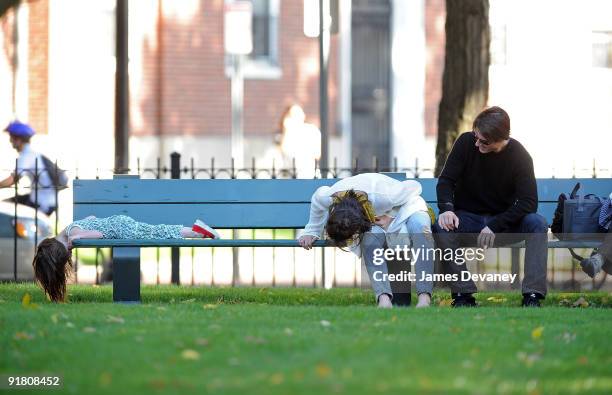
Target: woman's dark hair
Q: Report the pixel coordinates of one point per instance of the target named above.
(347, 218)
(493, 124)
(52, 264)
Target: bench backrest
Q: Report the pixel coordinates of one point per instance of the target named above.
(249, 204)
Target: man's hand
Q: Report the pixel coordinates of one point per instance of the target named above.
(307, 241)
(486, 238)
(448, 221)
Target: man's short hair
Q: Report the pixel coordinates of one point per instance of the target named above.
(493, 124)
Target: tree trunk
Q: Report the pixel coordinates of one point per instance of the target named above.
(465, 84)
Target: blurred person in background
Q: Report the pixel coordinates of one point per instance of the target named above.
(602, 259)
(300, 141)
(42, 193)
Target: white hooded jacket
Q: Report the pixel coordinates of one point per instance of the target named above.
(398, 199)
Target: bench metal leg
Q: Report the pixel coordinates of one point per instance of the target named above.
(515, 267)
(126, 274)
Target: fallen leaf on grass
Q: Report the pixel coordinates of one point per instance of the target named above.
(288, 332)
(445, 302)
(69, 325)
(581, 302)
(536, 333)
(191, 355)
(583, 360)
(54, 318)
(26, 302)
(496, 299)
(202, 342)
(210, 306)
(188, 301)
(117, 320)
(89, 329)
(394, 318)
(277, 378)
(325, 323)
(105, 379)
(323, 370)
(23, 336)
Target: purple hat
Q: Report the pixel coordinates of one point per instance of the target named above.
(17, 128)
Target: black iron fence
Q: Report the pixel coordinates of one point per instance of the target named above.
(24, 228)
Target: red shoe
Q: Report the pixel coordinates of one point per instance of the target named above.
(206, 231)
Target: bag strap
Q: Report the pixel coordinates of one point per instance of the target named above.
(575, 191)
(574, 255)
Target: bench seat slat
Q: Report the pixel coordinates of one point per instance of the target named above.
(214, 191)
(135, 190)
(221, 216)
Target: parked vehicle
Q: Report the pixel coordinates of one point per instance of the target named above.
(25, 227)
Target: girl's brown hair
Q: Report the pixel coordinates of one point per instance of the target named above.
(347, 218)
(52, 264)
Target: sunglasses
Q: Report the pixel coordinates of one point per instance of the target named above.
(481, 141)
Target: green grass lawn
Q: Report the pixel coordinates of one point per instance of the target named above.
(304, 341)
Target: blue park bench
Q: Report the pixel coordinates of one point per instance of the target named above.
(238, 204)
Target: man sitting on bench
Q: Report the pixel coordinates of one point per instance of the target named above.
(488, 187)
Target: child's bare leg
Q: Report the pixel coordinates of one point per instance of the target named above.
(187, 233)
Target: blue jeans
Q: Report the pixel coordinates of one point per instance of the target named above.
(532, 229)
(416, 233)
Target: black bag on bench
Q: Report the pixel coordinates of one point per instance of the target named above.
(577, 217)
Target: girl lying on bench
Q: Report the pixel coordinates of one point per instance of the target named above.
(53, 259)
(369, 213)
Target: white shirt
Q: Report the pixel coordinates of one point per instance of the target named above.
(398, 199)
(26, 164)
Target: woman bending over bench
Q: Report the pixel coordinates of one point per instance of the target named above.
(53, 259)
(368, 213)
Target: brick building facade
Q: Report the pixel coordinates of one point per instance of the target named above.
(179, 78)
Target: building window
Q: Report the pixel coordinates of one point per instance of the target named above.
(264, 26)
(263, 62)
(602, 49)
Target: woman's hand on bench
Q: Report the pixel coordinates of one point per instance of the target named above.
(307, 241)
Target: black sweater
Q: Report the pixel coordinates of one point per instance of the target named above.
(499, 184)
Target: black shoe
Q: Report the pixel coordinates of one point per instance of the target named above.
(401, 299)
(532, 300)
(463, 300)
